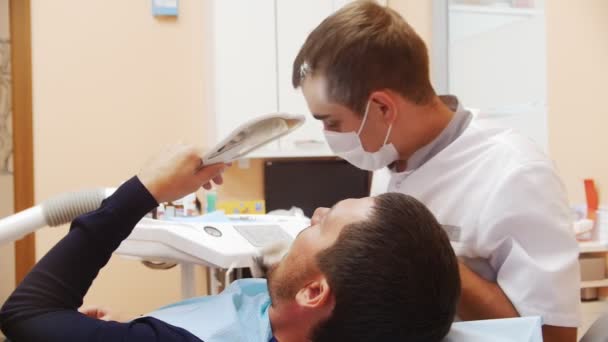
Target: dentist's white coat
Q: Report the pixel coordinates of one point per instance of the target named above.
(506, 212)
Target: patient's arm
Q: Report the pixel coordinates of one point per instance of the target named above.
(44, 306)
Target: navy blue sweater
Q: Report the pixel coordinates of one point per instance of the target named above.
(44, 306)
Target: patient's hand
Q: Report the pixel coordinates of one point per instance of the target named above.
(97, 313)
(177, 172)
(318, 215)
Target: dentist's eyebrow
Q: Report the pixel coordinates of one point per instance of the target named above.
(320, 116)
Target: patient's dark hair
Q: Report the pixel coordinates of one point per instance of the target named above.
(394, 276)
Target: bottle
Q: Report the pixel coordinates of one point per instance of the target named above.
(211, 201)
(170, 210)
(179, 210)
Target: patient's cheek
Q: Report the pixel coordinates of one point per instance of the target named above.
(271, 271)
(308, 240)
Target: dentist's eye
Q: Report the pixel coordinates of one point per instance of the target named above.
(332, 125)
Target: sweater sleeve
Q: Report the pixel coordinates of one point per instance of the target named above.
(44, 307)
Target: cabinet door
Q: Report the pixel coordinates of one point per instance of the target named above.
(497, 63)
(243, 63)
(295, 20)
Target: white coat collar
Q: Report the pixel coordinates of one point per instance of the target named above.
(460, 121)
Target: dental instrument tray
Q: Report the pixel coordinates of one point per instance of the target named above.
(232, 241)
(252, 135)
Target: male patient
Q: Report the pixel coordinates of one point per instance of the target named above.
(372, 269)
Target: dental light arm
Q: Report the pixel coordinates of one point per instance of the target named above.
(53, 212)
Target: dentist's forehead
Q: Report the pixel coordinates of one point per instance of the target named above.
(316, 85)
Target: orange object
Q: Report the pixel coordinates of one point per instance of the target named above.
(592, 198)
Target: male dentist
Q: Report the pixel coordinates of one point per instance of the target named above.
(365, 73)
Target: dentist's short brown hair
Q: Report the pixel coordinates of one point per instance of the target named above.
(364, 47)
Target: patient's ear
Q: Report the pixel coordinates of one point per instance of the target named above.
(315, 294)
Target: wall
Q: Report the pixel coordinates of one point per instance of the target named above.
(418, 14)
(577, 50)
(112, 85)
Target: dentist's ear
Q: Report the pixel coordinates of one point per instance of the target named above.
(315, 295)
(387, 105)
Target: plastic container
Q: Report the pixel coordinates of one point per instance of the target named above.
(211, 201)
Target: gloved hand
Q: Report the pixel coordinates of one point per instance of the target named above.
(177, 172)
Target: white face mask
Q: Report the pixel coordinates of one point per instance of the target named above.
(348, 146)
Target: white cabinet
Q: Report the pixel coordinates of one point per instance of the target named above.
(295, 20)
(495, 53)
(253, 45)
(243, 63)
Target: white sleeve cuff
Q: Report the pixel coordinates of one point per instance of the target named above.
(558, 319)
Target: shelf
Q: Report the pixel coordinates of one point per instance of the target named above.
(595, 306)
(593, 246)
(594, 283)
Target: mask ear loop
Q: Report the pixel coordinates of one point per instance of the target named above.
(390, 127)
(364, 117)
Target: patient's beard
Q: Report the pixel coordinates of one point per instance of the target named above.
(286, 279)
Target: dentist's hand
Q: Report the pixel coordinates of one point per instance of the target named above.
(177, 172)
